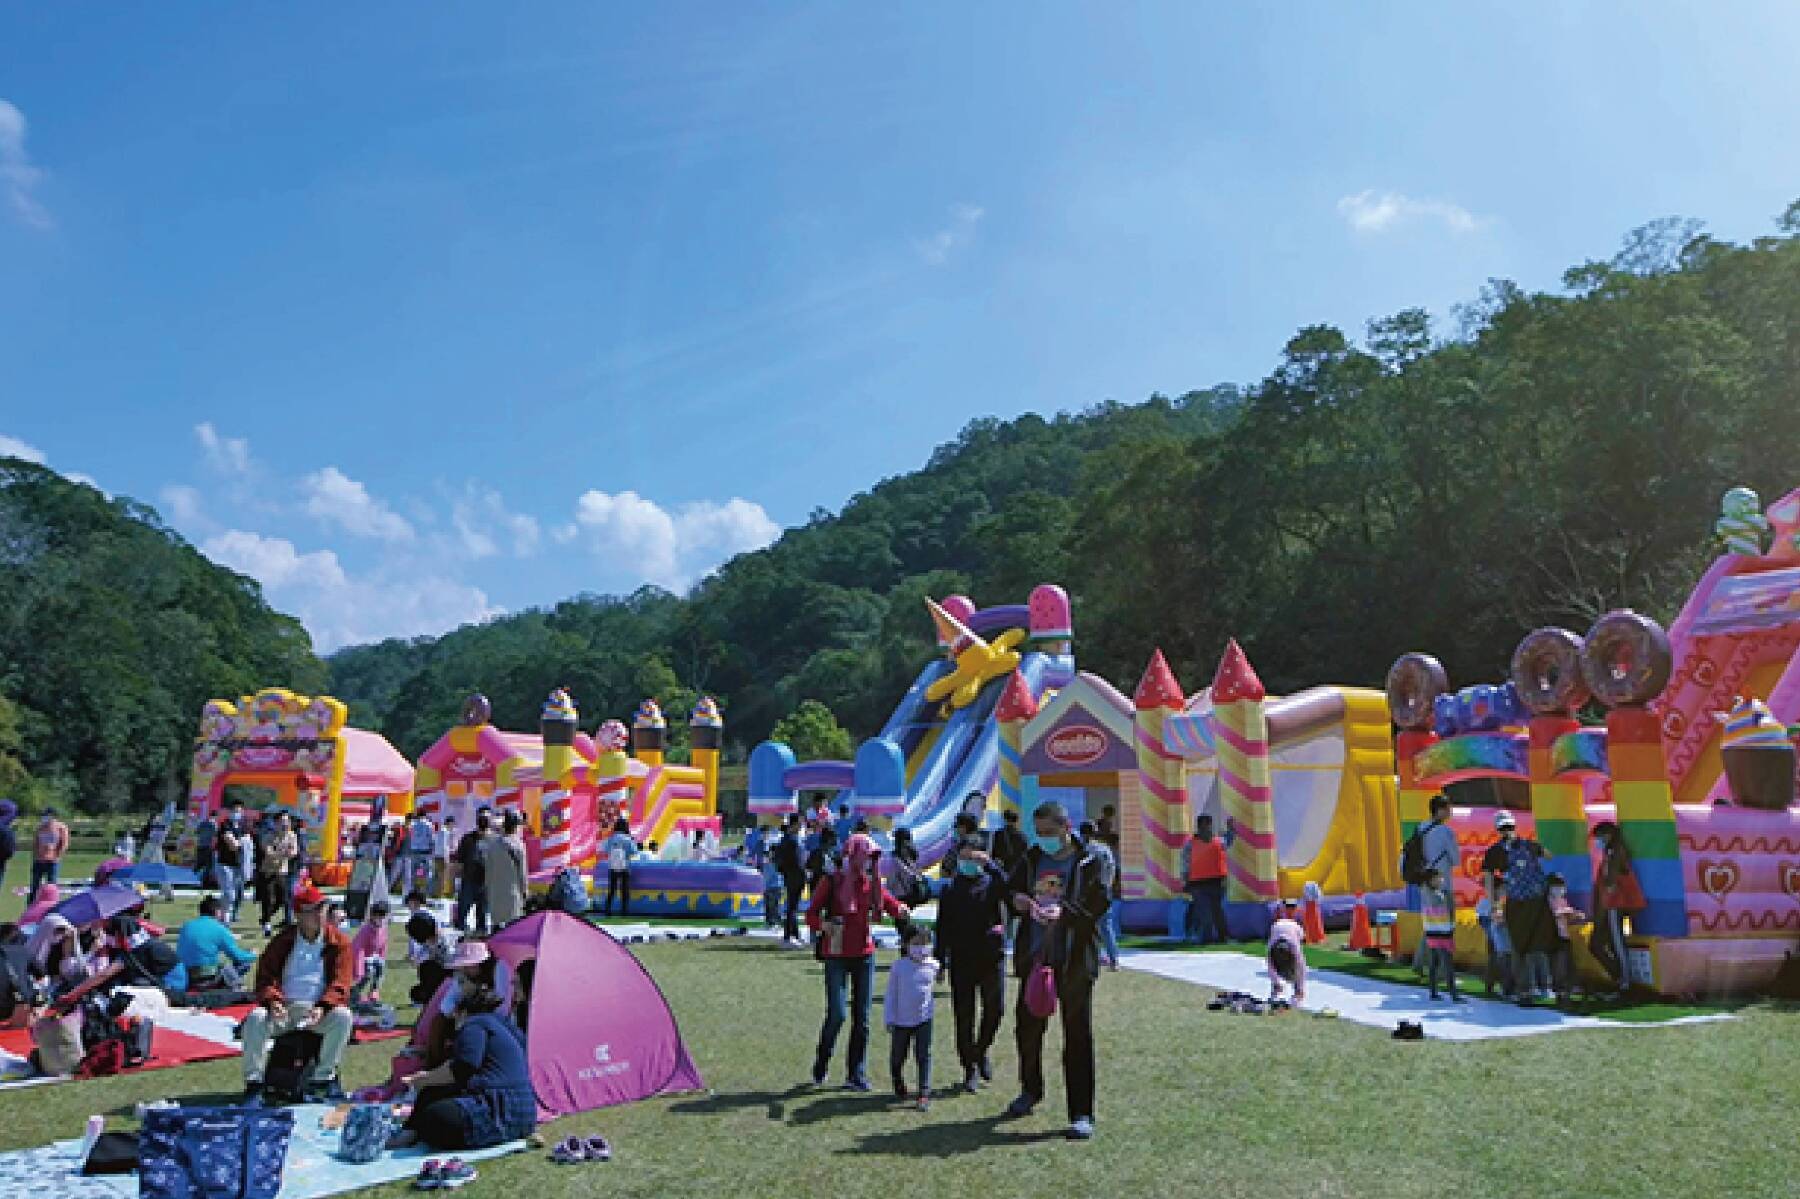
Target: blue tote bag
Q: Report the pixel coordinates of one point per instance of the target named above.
(213, 1152)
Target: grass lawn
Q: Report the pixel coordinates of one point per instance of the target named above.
(1191, 1103)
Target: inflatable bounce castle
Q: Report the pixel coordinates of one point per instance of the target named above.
(1695, 761)
(298, 747)
(991, 726)
(570, 789)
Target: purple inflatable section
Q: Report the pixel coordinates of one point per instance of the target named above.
(822, 775)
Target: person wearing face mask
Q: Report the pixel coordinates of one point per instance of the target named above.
(1061, 896)
(971, 942)
(1564, 918)
(1512, 871)
(846, 902)
(908, 1011)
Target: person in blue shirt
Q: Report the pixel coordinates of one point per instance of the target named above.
(204, 940)
(845, 824)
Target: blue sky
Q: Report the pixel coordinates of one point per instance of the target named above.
(420, 313)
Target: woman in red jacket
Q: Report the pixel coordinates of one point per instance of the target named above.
(846, 902)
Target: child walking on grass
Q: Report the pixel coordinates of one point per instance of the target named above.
(908, 1010)
(1440, 934)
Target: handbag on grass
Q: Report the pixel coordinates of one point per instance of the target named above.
(213, 1152)
(366, 1132)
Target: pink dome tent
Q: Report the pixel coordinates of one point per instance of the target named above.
(600, 1032)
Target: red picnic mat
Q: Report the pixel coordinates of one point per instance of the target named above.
(167, 1048)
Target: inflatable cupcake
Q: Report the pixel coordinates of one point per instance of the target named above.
(1759, 756)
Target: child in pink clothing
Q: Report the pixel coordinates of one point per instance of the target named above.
(368, 956)
(1287, 960)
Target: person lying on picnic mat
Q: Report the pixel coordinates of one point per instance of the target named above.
(302, 984)
(482, 1095)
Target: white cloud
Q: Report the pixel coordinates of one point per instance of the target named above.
(335, 498)
(274, 562)
(18, 177)
(937, 248)
(1371, 211)
(646, 542)
(227, 455)
(12, 447)
(483, 522)
(341, 609)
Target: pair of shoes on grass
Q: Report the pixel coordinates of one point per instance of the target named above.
(447, 1175)
(575, 1150)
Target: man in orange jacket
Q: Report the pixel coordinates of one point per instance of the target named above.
(1203, 868)
(303, 983)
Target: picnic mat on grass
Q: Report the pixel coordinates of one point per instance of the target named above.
(1378, 1004)
(188, 1035)
(312, 1171)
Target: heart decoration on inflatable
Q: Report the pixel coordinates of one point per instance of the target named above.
(1718, 879)
(1790, 879)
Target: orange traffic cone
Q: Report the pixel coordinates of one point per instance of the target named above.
(1312, 919)
(1361, 935)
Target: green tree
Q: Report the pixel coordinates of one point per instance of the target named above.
(813, 733)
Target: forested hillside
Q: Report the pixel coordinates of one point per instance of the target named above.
(1537, 458)
(113, 632)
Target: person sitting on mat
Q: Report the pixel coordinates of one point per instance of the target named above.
(482, 1095)
(204, 940)
(302, 984)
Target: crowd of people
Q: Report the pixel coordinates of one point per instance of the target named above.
(1048, 896)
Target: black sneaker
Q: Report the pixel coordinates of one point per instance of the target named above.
(253, 1095)
(1019, 1108)
(972, 1080)
(986, 1068)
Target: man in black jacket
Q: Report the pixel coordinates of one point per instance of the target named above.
(792, 864)
(971, 941)
(1060, 893)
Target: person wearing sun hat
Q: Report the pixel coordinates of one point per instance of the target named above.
(303, 981)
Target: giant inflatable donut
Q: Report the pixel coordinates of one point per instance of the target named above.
(1626, 660)
(476, 711)
(1413, 685)
(1546, 669)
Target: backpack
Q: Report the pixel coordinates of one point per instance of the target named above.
(1524, 870)
(1412, 857)
(567, 893)
(787, 855)
(291, 1061)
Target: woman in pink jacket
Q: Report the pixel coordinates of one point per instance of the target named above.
(846, 903)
